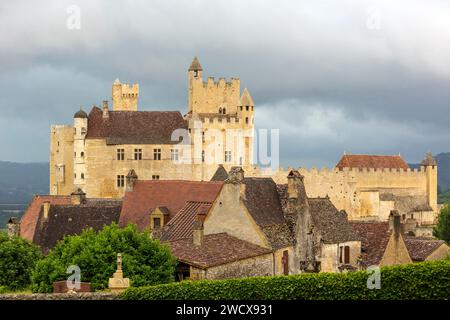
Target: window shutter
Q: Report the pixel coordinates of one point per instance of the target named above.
(346, 254)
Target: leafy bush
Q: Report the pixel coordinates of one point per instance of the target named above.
(427, 280)
(442, 229)
(145, 261)
(17, 261)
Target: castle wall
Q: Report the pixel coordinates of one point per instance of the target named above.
(356, 191)
(61, 159)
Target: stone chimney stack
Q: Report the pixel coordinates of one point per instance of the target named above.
(236, 177)
(198, 229)
(78, 197)
(131, 180)
(46, 209)
(395, 224)
(296, 193)
(105, 109)
(13, 226)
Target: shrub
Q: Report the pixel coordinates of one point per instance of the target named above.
(427, 280)
(18, 258)
(145, 261)
(442, 229)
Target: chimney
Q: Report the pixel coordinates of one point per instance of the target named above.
(46, 209)
(296, 193)
(198, 230)
(236, 177)
(78, 197)
(395, 224)
(131, 180)
(105, 109)
(13, 226)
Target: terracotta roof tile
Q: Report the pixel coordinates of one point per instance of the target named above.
(217, 249)
(180, 226)
(30, 218)
(371, 161)
(172, 194)
(374, 239)
(420, 248)
(135, 127)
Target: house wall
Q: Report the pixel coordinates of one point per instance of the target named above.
(440, 253)
(278, 255)
(253, 267)
(330, 255)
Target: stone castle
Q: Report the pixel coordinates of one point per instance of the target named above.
(105, 149)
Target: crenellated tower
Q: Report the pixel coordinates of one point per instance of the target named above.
(125, 96)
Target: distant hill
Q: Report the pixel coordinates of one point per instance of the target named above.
(20, 181)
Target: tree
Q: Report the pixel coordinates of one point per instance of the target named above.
(442, 229)
(145, 261)
(18, 258)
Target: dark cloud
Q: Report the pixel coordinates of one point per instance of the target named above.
(355, 76)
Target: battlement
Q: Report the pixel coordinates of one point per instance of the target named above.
(125, 96)
(130, 90)
(222, 82)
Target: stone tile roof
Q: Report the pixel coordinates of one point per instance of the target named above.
(180, 226)
(195, 65)
(420, 248)
(407, 204)
(30, 218)
(172, 194)
(332, 224)
(263, 203)
(374, 239)
(217, 249)
(66, 220)
(135, 127)
(220, 175)
(371, 161)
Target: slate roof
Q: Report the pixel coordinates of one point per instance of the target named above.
(332, 224)
(220, 175)
(374, 239)
(80, 114)
(263, 203)
(371, 161)
(135, 127)
(217, 249)
(66, 220)
(180, 226)
(195, 65)
(172, 194)
(30, 218)
(420, 248)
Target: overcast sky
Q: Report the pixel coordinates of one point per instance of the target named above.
(356, 76)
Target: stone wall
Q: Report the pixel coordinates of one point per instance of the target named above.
(61, 296)
(253, 267)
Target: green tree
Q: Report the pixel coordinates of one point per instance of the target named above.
(18, 258)
(145, 261)
(442, 229)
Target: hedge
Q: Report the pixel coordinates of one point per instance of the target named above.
(427, 280)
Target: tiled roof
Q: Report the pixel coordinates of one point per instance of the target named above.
(135, 127)
(217, 249)
(374, 239)
(420, 248)
(263, 203)
(180, 226)
(195, 65)
(172, 194)
(30, 218)
(66, 220)
(220, 175)
(371, 161)
(332, 224)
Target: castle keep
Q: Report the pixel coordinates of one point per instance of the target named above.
(101, 149)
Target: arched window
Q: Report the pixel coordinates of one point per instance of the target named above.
(220, 110)
(224, 110)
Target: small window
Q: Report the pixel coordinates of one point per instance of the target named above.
(75, 175)
(82, 176)
(155, 177)
(120, 154)
(227, 156)
(156, 154)
(220, 110)
(203, 155)
(75, 154)
(224, 110)
(174, 154)
(246, 120)
(156, 223)
(241, 108)
(137, 154)
(82, 154)
(246, 108)
(120, 181)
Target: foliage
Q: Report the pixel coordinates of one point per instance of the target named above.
(17, 261)
(145, 261)
(444, 197)
(427, 280)
(442, 229)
